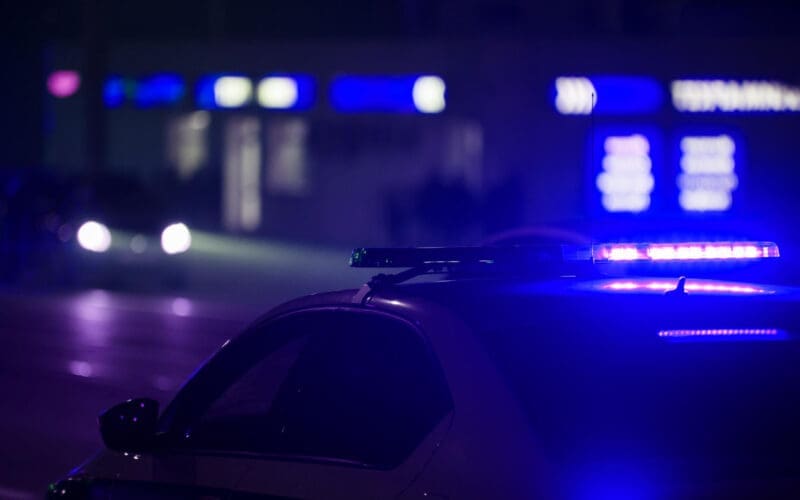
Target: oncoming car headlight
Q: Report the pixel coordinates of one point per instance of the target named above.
(176, 238)
(94, 236)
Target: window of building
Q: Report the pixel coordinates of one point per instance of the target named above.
(286, 157)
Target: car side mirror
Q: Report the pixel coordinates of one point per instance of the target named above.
(130, 426)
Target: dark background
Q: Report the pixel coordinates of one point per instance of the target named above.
(81, 331)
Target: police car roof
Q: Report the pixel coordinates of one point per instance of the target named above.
(492, 299)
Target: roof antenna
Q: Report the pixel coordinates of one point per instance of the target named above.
(679, 290)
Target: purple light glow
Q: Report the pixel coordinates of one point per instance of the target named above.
(80, 368)
(664, 252)
(63, 83)
(696, 286)
(181, 307)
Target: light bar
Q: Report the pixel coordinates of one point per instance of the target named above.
(723, 334)
(695, 251)
(517, 256)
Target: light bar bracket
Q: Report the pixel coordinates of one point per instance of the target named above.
(451, 257)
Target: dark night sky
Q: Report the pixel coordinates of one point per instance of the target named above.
(270, 19)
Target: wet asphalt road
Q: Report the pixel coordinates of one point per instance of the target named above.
(66, 356)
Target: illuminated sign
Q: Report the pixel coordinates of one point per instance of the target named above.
(287, 92)
(388, 94)
(161, 89)
(707, 177)
(575, 95)
(581, 95)
(625, 180)
(703, 96)
(224, 91)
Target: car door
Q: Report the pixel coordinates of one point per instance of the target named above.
(325, 403)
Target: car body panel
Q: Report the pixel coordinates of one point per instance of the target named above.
(485, 447)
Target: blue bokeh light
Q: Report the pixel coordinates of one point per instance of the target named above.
(114, 91)
(223, 90)
(613, 95)
(627, 94)
(161, 89)
(303, 89)
(387, 94)
(624, 174)
(709, 167)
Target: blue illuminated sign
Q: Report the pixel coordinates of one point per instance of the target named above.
(161, 89)
(290, 92)
(607, 95)
(707, 177)
(623, 171)
(731, 96)
(388, 94)
(224, 91)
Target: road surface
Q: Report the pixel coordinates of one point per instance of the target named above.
(66, 355)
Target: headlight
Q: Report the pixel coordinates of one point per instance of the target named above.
(176, 238)
(94, 236)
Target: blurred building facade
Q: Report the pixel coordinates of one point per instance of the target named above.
(507, 145)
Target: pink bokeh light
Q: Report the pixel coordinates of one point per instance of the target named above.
(63, 83)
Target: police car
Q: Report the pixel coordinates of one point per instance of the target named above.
(496, 372)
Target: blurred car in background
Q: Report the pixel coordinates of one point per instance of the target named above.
(123, 225)
(527, 372)
(104, 231)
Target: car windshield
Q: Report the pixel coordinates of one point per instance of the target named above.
(125, 203)
(693, 406)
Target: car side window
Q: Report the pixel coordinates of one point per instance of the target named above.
(252, 395)
(347, 386)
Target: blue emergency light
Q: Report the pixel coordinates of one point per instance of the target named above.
(691, 251)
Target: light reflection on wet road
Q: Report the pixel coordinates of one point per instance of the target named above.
(64, 357)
